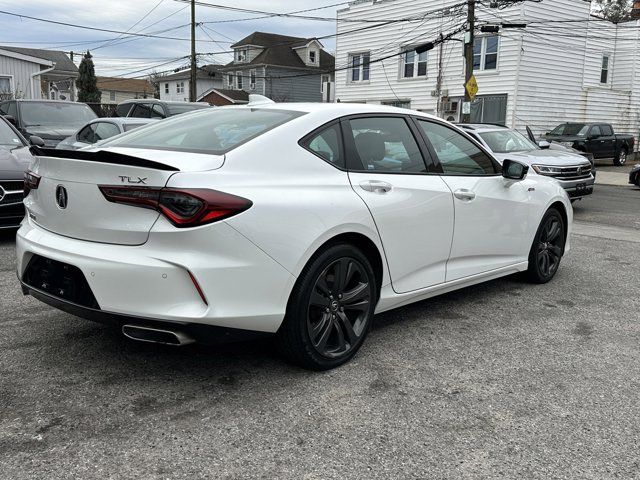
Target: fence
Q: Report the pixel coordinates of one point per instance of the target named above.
(104, 109)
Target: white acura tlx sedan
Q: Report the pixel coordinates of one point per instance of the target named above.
(300, 220)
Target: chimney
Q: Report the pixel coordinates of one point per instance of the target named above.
(635, 12)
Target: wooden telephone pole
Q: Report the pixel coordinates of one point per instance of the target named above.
(193, 78)
(468, 55)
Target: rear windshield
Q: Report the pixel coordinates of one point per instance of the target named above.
(178, 109)
(579, 129)
(216, 130)
(55, 114)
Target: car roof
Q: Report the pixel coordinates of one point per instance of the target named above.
(123, 120)
(44, 100)
(482, 127)
(162, 102)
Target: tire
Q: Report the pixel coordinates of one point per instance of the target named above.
(547, 248)
(621, 158)
(330, 310)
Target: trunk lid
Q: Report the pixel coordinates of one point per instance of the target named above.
(87, 214)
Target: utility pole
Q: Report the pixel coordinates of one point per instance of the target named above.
(193, 80)
(468, 55)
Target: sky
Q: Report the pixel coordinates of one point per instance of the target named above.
(134, 56)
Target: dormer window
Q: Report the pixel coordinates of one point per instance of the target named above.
(313, 56)
(241, 55)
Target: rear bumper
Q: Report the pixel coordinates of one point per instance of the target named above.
(206, 334)
(243, 287)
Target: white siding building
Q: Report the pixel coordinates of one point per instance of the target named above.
(20, 75)
(565, 66)
(175, 87)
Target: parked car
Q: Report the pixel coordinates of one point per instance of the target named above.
(572, 170)
(152, 108)
(634, 175)
(177, 238)
(101, 129)
(546, 145)
(14, 162)
(598, 139)
(50, 121)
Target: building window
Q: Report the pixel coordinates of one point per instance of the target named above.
(5, 88)
(239, 80)
(604, 73)
(230, 80)
(312, 56)
(398, 103)
(166, 88)
(252, 79)
(324, 79)
(180, 87)
(359, 66)
(112, 96)
(485, 53)
(414, 64)
(241, 55)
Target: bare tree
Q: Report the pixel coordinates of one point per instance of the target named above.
(614, 10)
(155, 78)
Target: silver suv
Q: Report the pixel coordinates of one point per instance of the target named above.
(574, 172)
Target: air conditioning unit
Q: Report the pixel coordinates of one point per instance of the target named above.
(450, 106)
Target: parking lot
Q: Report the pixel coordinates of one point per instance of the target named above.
(504, 379)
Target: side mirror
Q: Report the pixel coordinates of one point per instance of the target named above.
(513, 170)
(11, 119)
(543, 144)
(36, 140)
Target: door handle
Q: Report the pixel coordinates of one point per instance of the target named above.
(376, 186)
(464, 194)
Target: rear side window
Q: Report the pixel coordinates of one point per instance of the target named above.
(457, 154)
(123, 110)
(87, 134)
(106, 130)
(327, 145)
(385, 145)
(607, 131)
(141, 110)
(214, 131)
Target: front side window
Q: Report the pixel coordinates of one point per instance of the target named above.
(359, 66)
(213, 131)
(570, 129)
(141, 110)
(604, 72)
(105, 130)
(485, 53)
(414, 64)
(385, 145)
(457, 154)
(596, 131)
(327, 145)
(239, 80)
(8, 136)
(86, 135)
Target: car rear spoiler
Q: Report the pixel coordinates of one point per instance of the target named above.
(101, 156)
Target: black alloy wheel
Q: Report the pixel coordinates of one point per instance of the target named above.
(548, 247)
(330, 310)
(339, 307)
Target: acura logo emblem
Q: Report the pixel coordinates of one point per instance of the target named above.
(62, 198)
(2, 193)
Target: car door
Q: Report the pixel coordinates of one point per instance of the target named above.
(596, 143)
(607, 141)
(412, 208)
(492, 214)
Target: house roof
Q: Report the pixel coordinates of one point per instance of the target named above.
(63, 63)
(205, 71)
(132, 85)
(279, 50)
(235, 96)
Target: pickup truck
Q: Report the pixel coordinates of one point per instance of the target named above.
(595, 138)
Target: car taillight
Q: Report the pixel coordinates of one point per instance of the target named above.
(31, 182)
(182, 207)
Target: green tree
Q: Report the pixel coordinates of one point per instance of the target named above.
(614, 10)
(87, 83)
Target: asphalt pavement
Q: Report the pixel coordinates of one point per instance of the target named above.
(500, 380)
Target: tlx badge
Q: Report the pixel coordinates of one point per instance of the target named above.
(125, 179)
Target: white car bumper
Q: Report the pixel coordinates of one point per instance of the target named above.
(243, 287)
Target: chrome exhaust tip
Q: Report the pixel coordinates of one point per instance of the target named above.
(156, 335)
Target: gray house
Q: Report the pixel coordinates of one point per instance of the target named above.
(35, 73)
(283, 68)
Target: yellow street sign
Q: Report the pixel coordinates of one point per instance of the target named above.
(472, 87)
